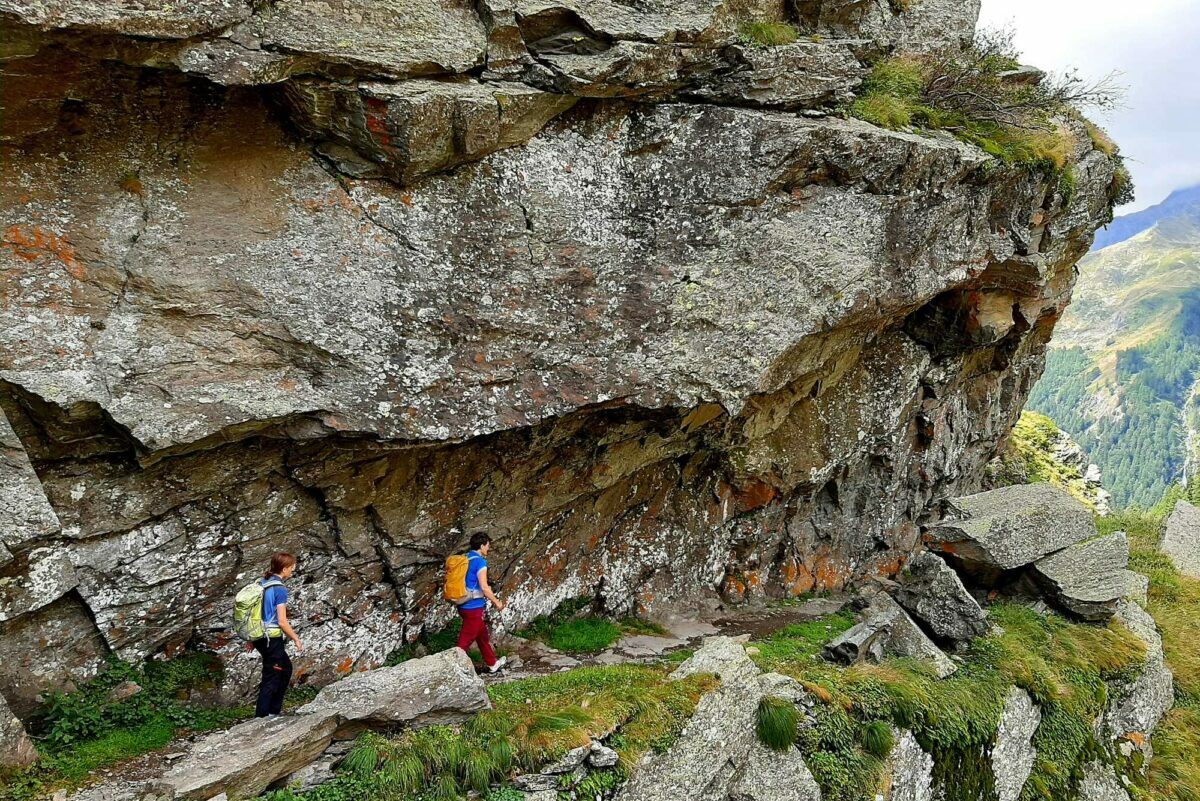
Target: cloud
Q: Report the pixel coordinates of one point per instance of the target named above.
(1153, 44)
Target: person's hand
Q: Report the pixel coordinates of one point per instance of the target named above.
(249, 646)
(499, 605)
(299, 646)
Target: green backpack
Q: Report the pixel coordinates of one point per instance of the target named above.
(248, 610)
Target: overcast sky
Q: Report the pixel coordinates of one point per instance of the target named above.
(1155, 44)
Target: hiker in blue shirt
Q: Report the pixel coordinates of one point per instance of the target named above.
(474, 626)
(277, 666)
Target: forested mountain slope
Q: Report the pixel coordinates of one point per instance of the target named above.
(1121, 374)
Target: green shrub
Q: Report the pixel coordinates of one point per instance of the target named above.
(769, 34)
(776, 723)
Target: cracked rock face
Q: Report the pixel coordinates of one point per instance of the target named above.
(350, 279)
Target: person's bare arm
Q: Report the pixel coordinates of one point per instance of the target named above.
(286, 627)
(486, 589)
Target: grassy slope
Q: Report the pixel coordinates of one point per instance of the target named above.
(1029, 457)
(1174, 602)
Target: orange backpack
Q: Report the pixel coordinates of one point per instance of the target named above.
(455, 588)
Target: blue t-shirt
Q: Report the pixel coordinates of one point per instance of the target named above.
(476, 564)
(272, 598)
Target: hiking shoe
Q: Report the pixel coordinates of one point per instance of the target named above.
(500, 663)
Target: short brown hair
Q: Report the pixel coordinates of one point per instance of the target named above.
(279, 563)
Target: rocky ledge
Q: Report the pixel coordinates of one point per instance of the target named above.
(608, 280)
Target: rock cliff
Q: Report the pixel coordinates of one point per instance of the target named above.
(606, 279)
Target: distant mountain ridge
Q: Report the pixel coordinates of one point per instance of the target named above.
(1123, 370)
(1182, 203)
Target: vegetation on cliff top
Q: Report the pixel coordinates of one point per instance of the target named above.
(1030, 456)
(978, 94)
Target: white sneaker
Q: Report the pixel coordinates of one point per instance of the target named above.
(500, 663)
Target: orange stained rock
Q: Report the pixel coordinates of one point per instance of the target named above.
(1137, 738)
(345, 666)
(754, 495)
(32, 242)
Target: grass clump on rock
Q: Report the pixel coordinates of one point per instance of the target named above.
(776, 723)
(569, 629)
(768, 34)
(969, 92)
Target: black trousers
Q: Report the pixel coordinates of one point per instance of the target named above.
(276, 675)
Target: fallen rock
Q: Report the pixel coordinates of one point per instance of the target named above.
(1100, 783)
(1011, 527)
(911, 769)
(124, 690)
(437, 688)
(246, 759)
(932, 592)
(1088, 579)
(887, 630)
(602, 756)
(1181, 540)
(16, 749)
(1013, 754)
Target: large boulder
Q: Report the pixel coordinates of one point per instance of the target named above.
(438, 688)
(1010, 527)
(887, 630)
(1181, 539)
(718, 755)
(1013, 754)
(1101, 783)
(934, 594)
(244, 760)
(16, 749)
(1087, 579)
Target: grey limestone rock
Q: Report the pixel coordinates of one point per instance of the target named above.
(1181, 539)
(1088, 579)
(1100, 783)
(152, 18)
(437, 688)
(932, 592)
(25, 513)
(1013, 754)
(246, 759)
(718, 755)
(1011, 527)
(1135, 707)
(911, 769)
(16, 749)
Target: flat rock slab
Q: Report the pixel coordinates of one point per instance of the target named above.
(441, 687)
(1100, 783)
(1181, 541)
(246, 759)
(643, 645)
(911, 769)
(1013, 526)
(1088, 579)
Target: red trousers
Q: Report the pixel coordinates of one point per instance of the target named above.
(475, 630)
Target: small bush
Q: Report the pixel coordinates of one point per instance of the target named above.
(769, 34)
(776, 723)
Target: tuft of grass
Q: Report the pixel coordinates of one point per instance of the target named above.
(569, 629)
(776, 723)
(877, 739)
(900, 6)
(768, 34)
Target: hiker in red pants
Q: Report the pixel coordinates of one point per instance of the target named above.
(474, 627)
